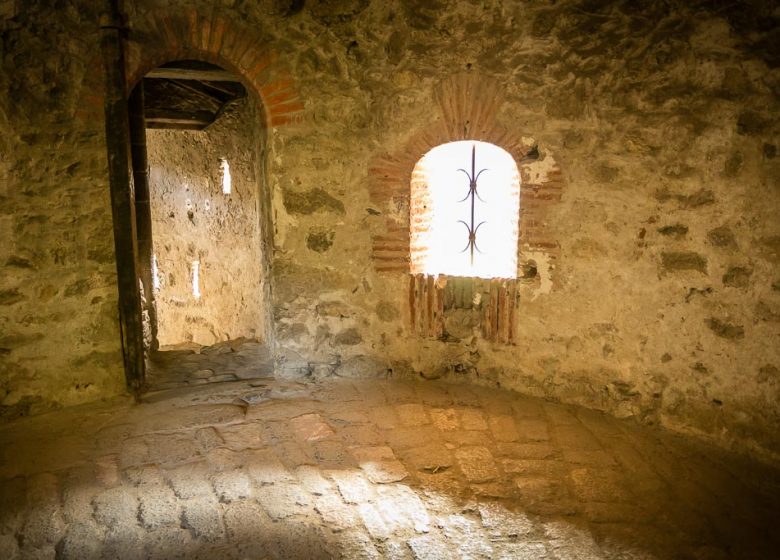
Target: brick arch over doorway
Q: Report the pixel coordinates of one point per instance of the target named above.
(468, 108)
(161, 37)
(142, 44)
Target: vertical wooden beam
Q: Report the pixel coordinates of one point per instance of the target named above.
(449, 284)
(503, 311)
(122, 200)
(423, 305)
(413, 302)
(419, 294)
(440, 293)
(495, 284)
(486, 307)
(430, 320)
(511, 301)
(143, 211)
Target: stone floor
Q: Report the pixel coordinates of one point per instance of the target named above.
(370, 469)
(185, 365)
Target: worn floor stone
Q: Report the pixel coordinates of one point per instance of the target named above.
(292, 470)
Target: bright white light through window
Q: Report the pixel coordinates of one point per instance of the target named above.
(227, 181)
(439, 240)
(196, 279)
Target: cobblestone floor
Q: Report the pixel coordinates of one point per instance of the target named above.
(197, 365)
(370, 469)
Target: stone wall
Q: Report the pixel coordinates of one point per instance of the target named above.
(661, 120)
(653, 288)
(193, 220)
(59, 331)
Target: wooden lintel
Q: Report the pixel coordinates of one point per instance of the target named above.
(192, 74)
(178, 119)
(174, 125)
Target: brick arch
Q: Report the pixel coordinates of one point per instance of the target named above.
(468, 107)
(161, 37)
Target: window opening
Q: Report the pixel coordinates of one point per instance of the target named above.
(155, 274)
(227, 180)
(196, 279)
(489, 211)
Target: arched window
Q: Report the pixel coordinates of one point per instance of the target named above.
(464, 209)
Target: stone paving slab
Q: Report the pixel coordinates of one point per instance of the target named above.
(426, 470)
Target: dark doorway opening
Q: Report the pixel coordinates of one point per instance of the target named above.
(201, 225)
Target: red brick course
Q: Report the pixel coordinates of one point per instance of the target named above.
(163, 37)
(468, 107)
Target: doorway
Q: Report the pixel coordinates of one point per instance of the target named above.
(201, 225)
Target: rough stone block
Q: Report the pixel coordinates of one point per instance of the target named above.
(379, 464)
(202, 517)
(680, 261)
(246, 520)
(568, 539)
(599, 485)
(264, 467)
(352, 486)
(189, 481)
(503, 427)
(429, 547)
(532, 430)
(402, 509)
(465, 534)
(360, 435)
(356, 544)
(311, 427)
(466, 437)
(330, 454)
(476, 463)
(412, 415)
(170, 449)
(299, 538)
(405, 438)
(168, 543)
(500, 521)
(241, 436)
(209, 438)
(373, 522)
(472, 419)
(283, 500)
(116, 507)
(195, 416)
(312, 480)
(337, 515)
(429, 458)
(158, 508)
(124, 542)
(725, 329)
(542, 491)
(362, 367)
(384, 417)
(231, 486)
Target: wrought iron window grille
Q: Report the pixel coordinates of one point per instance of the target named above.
(472, 194)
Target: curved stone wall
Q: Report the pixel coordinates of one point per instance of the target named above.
(651, 288)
